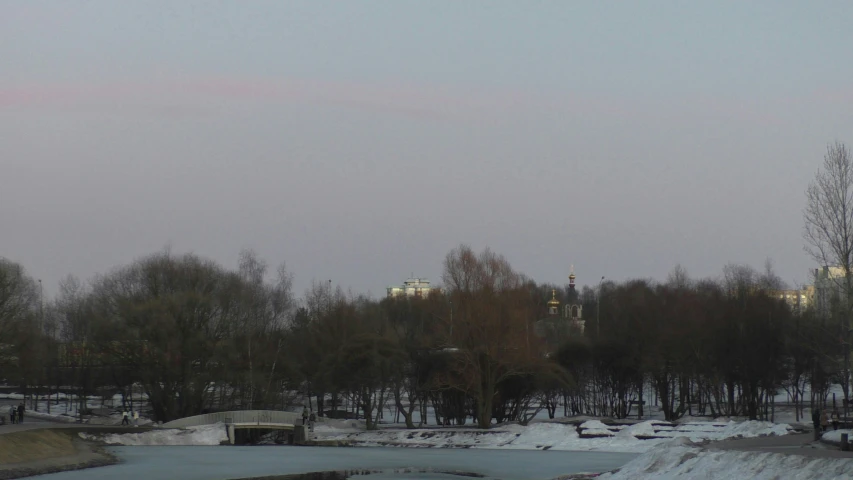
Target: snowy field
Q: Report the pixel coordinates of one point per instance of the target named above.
(201, 435)
(64, 408)
(554, 436)
(538, 436)
(107, 410)
(680, 459)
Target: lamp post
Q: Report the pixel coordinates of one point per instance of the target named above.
(34, 405)
(451, 320)
(598, 309)
(329, 298)
(41, 303)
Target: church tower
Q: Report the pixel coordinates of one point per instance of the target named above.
(572, 278)
(574, 310)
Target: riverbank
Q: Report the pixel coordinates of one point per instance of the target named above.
(41, 451)
(589, 435)
(757, 459)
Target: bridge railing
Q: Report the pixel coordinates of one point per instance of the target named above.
(238, 416)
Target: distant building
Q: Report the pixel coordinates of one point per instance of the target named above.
(413, 287)
(799, 300)
(828, 288)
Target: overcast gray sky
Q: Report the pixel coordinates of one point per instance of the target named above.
(360, 141)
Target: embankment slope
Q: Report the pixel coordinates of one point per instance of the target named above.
(37, 452)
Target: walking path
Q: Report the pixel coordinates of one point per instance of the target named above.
(30, 424)
(798, 444)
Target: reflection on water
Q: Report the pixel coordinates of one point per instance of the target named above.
(383, 474)
(409, 476)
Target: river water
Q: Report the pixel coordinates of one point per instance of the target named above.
(226, 462)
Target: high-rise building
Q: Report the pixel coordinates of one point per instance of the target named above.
(798, 299)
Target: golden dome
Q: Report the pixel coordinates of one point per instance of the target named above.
(553, 302)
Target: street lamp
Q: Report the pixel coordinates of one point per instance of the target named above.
(598, 309)
(451, 320)
(41, 303)
(329, 298)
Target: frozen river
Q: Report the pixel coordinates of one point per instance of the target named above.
(219, 463)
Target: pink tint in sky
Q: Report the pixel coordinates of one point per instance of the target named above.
(169, 92)
(409, 100)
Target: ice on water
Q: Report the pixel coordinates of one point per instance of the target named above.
(226, 462)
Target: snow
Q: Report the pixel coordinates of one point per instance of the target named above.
(834, 436)
(202, 435)
(553, 436)
(49, 417)
(64, 408)
(680, 458)
(644, 429)
(595, 427)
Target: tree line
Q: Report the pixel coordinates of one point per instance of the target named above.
(197, 337)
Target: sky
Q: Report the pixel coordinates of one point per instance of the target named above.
(361, 141)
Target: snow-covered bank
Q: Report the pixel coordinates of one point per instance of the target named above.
(555, 436)
(680, 458)
(202, 435)
(636, 438)
(834, 436)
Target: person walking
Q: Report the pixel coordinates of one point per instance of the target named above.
(311, 419)
(824, 421)
(125, 418)
(135, 418)
(13, 415)
(834, 419)
(21, 412)
(304, 415)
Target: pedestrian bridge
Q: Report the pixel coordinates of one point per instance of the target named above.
(268, 420)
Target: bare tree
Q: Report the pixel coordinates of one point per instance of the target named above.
(492, 311)
(19, 301)
(18, 296)
(828, 232)
(678, 278)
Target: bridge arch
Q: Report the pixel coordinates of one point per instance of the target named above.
(238, 416)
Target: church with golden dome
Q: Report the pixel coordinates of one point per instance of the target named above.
(562, 321)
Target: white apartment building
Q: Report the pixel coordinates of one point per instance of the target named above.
(413, 287)
(828, 288)
(799, 300)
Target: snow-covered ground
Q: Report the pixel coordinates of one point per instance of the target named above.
(51, 417)
(834, 436)
(64, 408)
(680, 458)
(553, 436)
(538, 436)
(202, 435)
